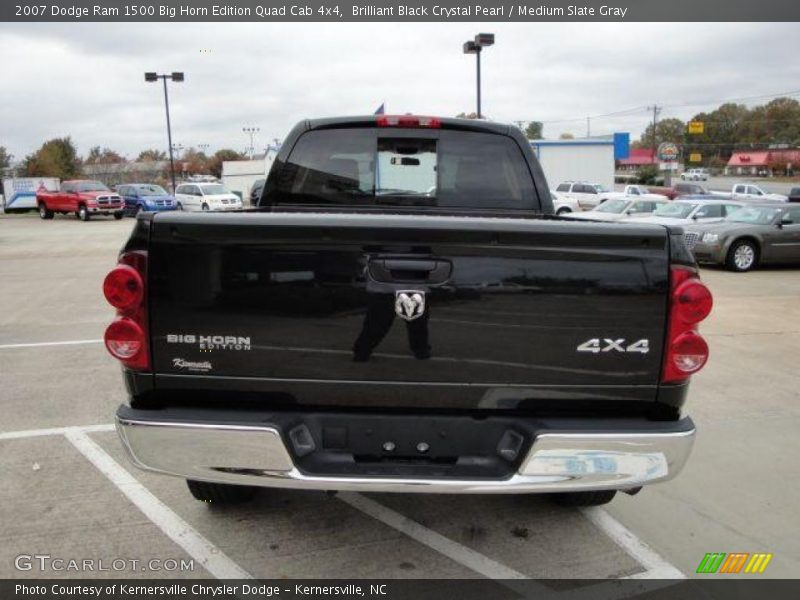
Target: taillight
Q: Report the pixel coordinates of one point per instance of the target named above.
(690, 302)
(124, 288)
(408, 121)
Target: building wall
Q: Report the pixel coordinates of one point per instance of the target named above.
(592, 162)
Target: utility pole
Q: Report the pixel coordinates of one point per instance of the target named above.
(656, 109)
(251, 131)
(588, 127)
(520, 124)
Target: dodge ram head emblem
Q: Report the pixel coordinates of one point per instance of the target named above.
(409, 304)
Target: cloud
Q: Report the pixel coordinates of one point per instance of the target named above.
(86, 79)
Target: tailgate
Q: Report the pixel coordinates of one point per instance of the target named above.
(405, 310)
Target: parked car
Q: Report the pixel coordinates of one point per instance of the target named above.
(205, 196)
(588, 195)
(83, 197)
(684, 212)
(634, 191)
(145, 196)
(689, 189)
(750, 191)
(794, 195)
(697, 174)
(255, 191)
(297, 347)
(563, 204)
(757, 234)
(617, 209)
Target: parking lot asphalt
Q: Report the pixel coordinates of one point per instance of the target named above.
(71, 493)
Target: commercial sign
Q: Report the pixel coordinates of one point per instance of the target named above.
(695, 157)
(696, 127)
(668, 152)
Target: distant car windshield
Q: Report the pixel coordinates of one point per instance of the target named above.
(91, 186)
(612, 206)
(601, 188)
(151, 190)
(754, 215)
(214, 189)
(674, 210)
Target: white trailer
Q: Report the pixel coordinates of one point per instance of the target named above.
(19, 193)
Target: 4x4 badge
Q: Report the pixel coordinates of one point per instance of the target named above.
(409, 304)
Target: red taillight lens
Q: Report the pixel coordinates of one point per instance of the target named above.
(408, 121)
(693, 301)
(690, 302)
(123, 288)
(124, 339)
(689, 352)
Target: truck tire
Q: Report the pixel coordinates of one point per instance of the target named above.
(83, 213)
(563, 211)
(205, 206)
(596, 498)
(44, 212)
(119, 214)
(220, 493)
(742, 256)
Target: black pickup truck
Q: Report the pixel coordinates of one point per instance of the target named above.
(403, 313)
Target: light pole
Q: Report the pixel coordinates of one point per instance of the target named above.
(176, 77)
(251, 131)
(474, 47)
(202, 148)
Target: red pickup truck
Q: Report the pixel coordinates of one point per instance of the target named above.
(82, 197)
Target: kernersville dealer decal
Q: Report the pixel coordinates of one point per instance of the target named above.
(211, 342)
(189, 365)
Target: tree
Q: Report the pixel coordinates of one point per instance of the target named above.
(667, 130)
(151, 155)
(214, 164)
(534, 130)
(5, 158)
(56, 158)
(566, 136)
(104, 156)
(194, 162)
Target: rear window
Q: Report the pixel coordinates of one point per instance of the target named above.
(375, 166)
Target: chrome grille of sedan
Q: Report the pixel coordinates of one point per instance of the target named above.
(691, 238)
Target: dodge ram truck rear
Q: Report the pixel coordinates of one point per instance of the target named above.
(403, 313)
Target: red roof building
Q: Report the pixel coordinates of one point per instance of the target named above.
(762, 161)
(638, 157)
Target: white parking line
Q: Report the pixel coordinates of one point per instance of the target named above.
(44, 344)
(198, 547)
(28, 433)
(459, 553)
(656, 567)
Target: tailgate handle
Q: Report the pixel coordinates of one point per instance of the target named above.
(390, 270)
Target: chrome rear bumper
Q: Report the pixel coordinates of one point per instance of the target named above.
(256, 455)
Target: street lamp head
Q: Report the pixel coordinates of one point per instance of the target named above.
(177, 76)
(151, 77)
(484, 39)
(470, 48)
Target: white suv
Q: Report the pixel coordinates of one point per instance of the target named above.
(695, 175)
(205, 196)
(588, 195)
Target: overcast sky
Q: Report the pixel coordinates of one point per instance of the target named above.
(86, 80)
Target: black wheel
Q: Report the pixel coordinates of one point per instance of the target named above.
(178, 206)
(118, 215)
(563, 211)
(742, 256)
(205, 206)
(596, 498)
(44, 213)
(220, 493)
(83, 213)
